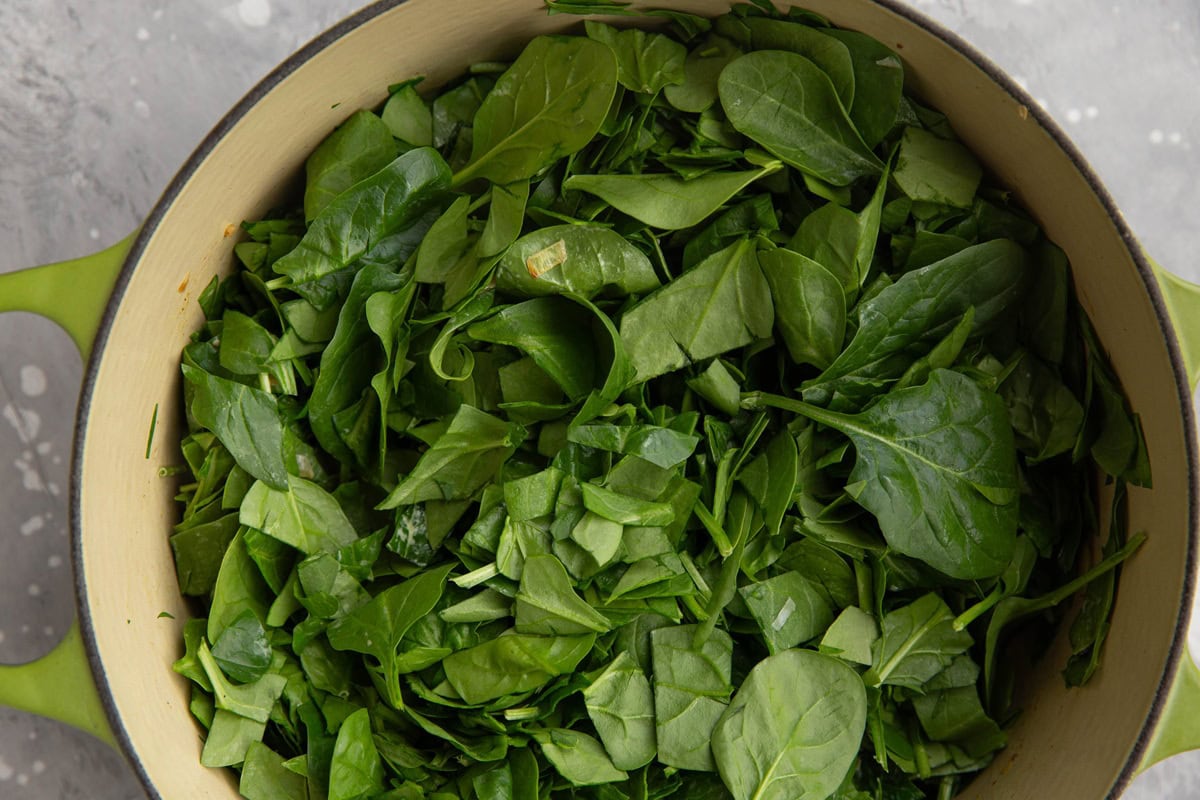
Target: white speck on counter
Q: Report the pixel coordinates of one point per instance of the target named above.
(141, 108)
(1156, 136)
(1074, 115)
(133, 81)
(142, 34)
(54, 562)
(255, 13)
(1175, 137)
(52, 488)
(33, 381)
(34, 590)
(38, 767)
(44, 448)
(32, 525)
(22, 779)
(48, 630)
(31, 480)
(1091, 112)
(25, 422)
(158, 13)
(94, 233)
(6, 772)
(1, 636)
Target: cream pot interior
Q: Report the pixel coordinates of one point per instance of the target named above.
(1068, 744)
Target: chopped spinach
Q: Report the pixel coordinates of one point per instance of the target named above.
(664, 414)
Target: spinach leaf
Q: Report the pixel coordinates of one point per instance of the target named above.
(304, 516)
(239, 588)
(936, 465)
(620, 704)
(788, 609)
(578, 757)
(935, 170)
(668, 201)
(625, 509)
(512, 663)
(908, 317)
(698, 90)
(826, 52)
(378, 627)
(242, 650)
(917, 642)
(546, 603)
(461, 461)
(721, 304)
(408, 117)
(851, 636)
(878, 84)
(349, 362)
(359, 148)
(584, 260)
(691, 691)
(810, 306)
(265, 777)
(646, 61)
(548, 330)
(547, 105)
(246, 421)
(793, 729)
(786, 103)
(364, 216)
(356, 769)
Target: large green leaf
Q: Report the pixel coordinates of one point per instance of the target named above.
(547, 105)
(787, 104)
(792, 730)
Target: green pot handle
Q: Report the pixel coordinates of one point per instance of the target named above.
(1183, 305)
(73, 294)
(1178, 729)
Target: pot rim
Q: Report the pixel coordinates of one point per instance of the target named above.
(365, 15)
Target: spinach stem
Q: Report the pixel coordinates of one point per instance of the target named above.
(282, 282)
(979, 609)
(863, 579)
(521, 714)
(153, 425)
(476, 576)
(698, 579)
(710, 523)
(946, 789)
(758, 400)
(694, 606)
(920, 754)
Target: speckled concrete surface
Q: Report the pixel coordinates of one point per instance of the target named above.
(100, 102)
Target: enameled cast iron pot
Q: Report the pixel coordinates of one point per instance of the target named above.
(136, 302)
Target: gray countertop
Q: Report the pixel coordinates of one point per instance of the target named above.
(100, 103)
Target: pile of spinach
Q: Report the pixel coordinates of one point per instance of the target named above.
(663, 412)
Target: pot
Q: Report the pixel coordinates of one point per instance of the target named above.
(131, 308)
